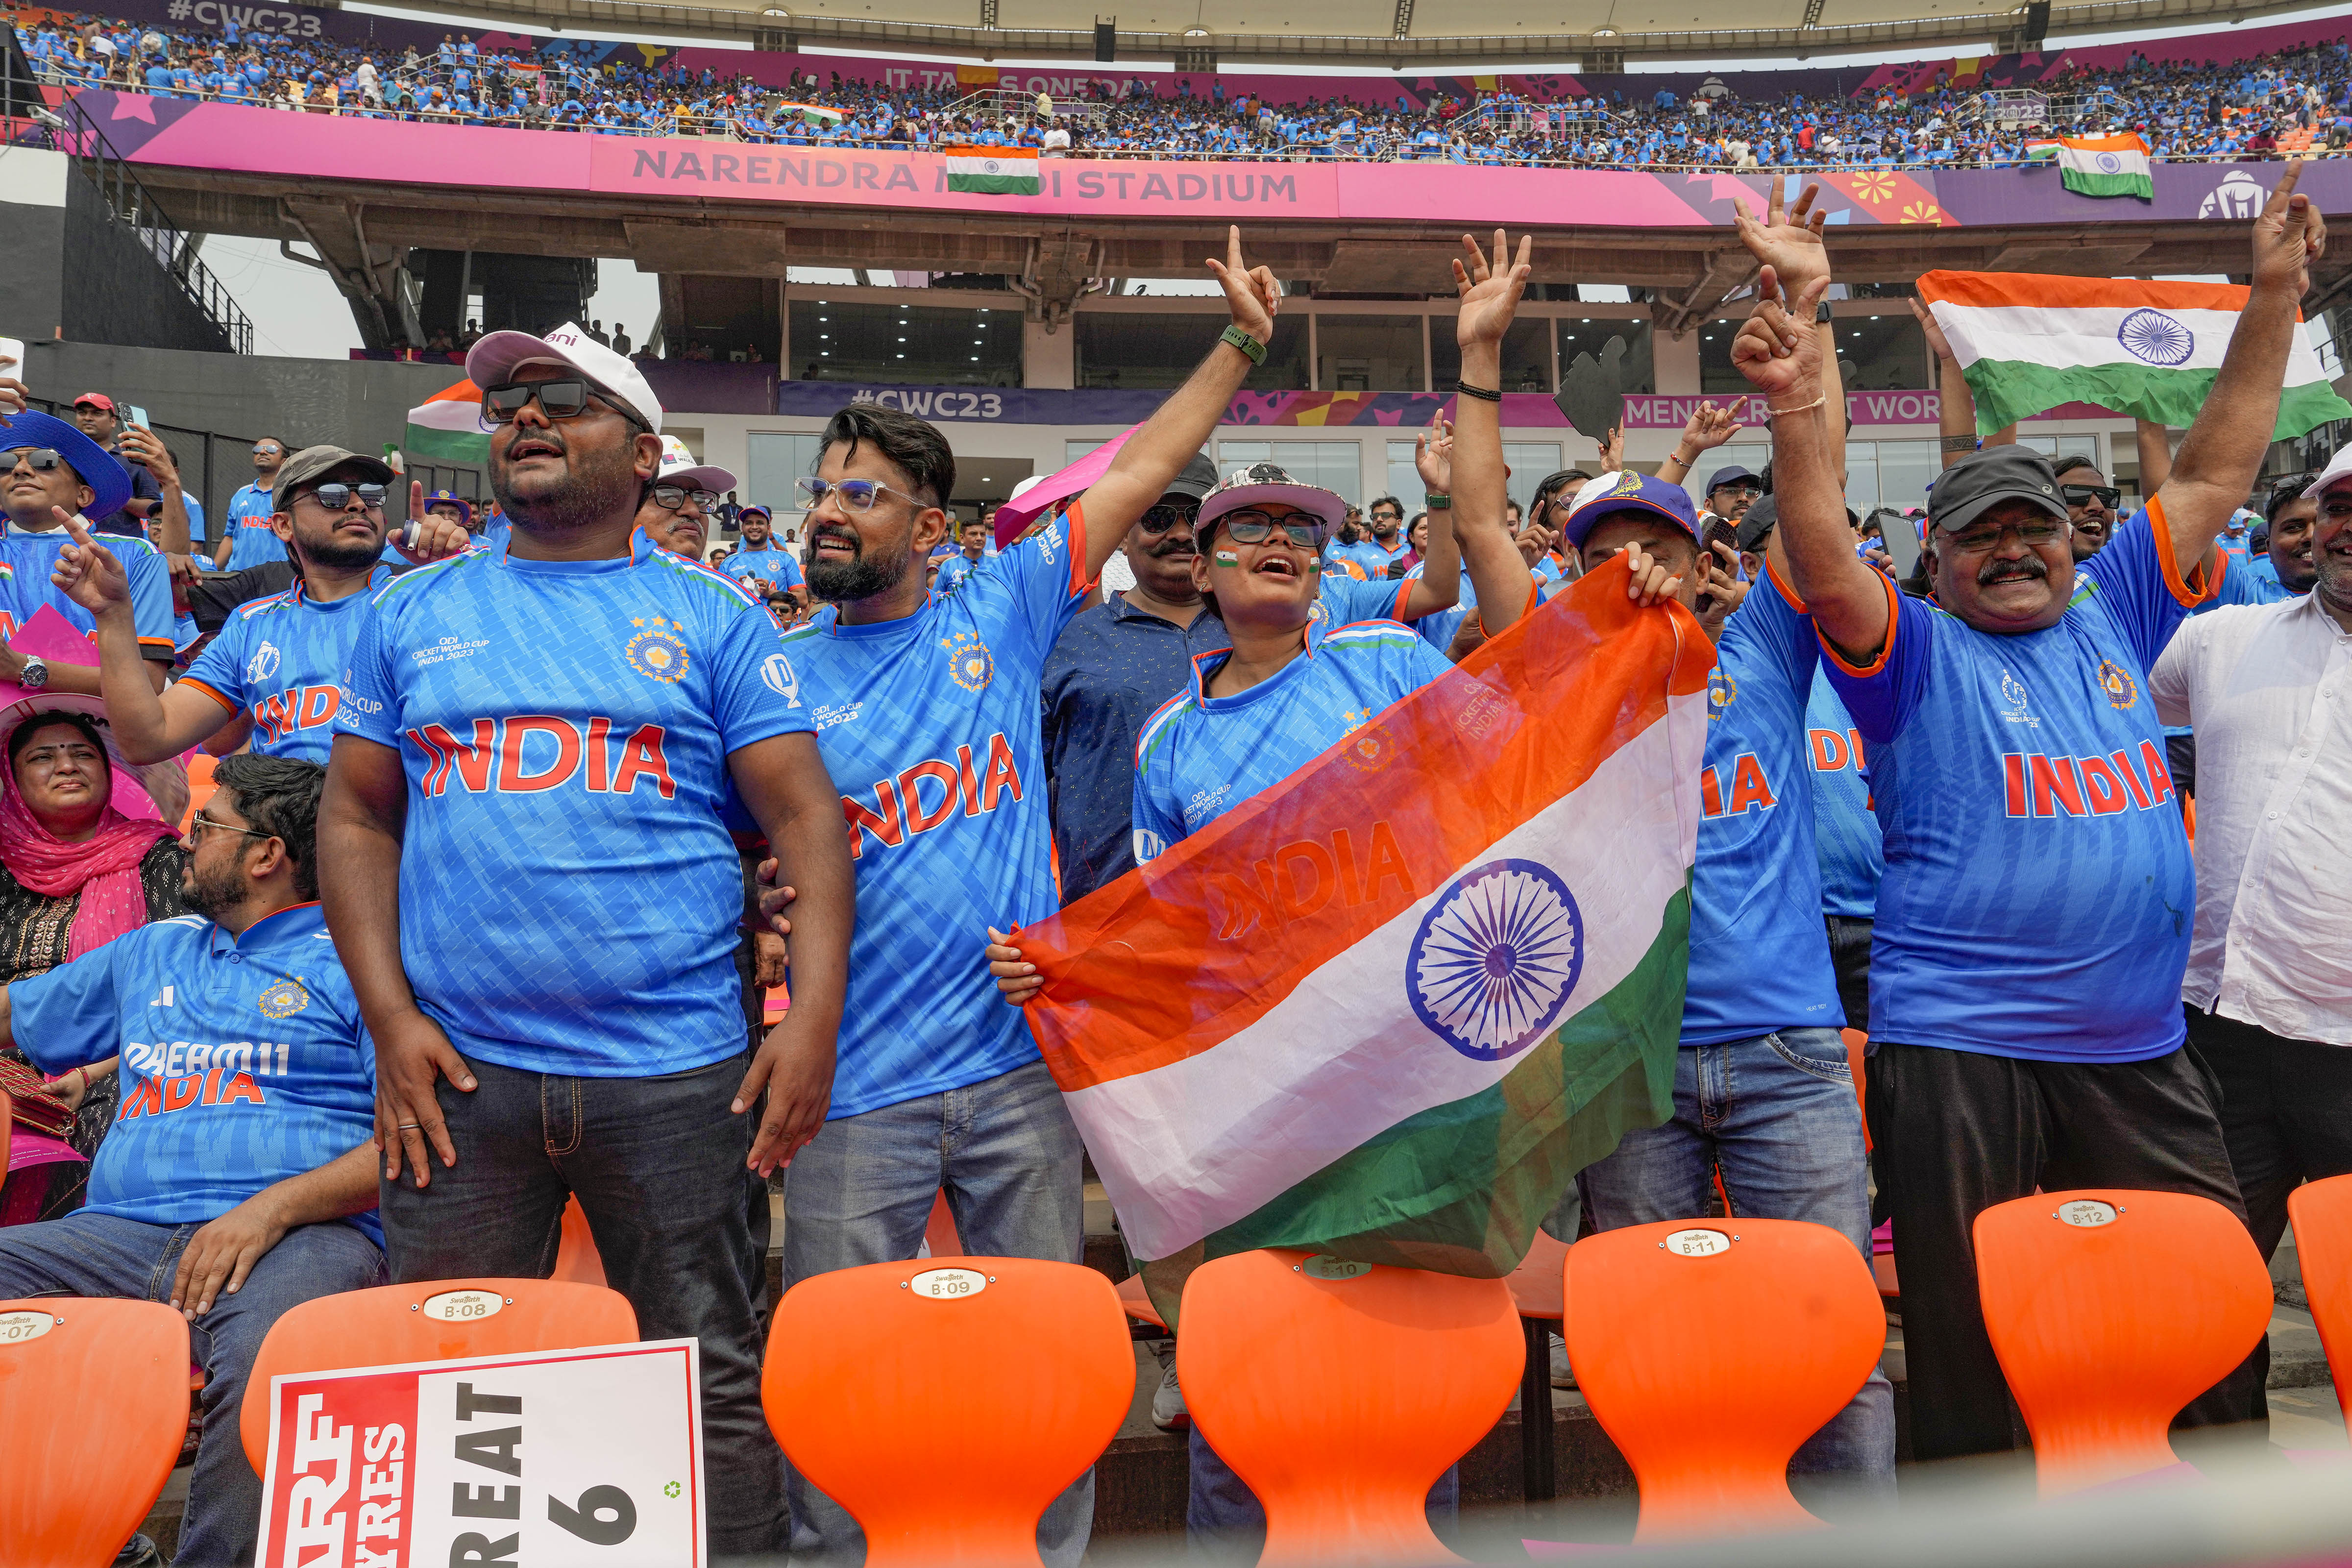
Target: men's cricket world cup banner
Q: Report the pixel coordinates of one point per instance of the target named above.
(1389, 1007)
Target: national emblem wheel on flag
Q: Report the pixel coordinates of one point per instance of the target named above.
(2102, 165)
(992, 171)
(1495, 959)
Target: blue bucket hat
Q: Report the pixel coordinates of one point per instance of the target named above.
(443, 498)
(98, 468)
(1628, 491)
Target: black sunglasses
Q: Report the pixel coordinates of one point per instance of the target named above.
(669, 498)
(336, 497)
(2079, 495)
(1161, 518)
(557, 400)
(1255, 527)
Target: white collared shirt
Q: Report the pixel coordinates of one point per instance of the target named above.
(2268, 688)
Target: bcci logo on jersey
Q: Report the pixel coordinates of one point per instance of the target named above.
(284, 999)
(2117, 683)
(970, 664)
(1722, 691)
(263, 664)
(657, 653)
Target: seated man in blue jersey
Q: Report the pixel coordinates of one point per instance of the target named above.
(547, 733)
(1301, 674)
(2032, 927)
(762, 565)
(239, 1181)
(55, 472)
(274, 674)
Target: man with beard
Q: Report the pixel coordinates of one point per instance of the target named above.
(275, 672)
(544, 733)
(2091, 504)
(932, 725)
(250, 1162)
(1384, 544)
(2267, 992)
(2031, 930)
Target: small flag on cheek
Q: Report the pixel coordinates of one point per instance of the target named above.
(1227, 558)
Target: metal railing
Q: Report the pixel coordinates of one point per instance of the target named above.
(72, 130)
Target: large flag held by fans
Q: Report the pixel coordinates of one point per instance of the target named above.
(448, 428)
(2106, 166)
(2028, 342)
(1388, 1008)
(993, 171)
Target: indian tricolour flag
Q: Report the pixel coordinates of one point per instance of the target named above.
(448, 427)
(2106, 166)
(993, 171)
(2028, 342)
(2041, 150)
(1389, 1007)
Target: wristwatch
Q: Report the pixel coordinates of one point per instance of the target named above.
(34, 676)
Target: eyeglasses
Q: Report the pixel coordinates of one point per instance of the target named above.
(2080, 495)
(557, 400)
(199, 824)
(40, 459)
(336, 497)
(1977, 540)
(1250, 526)
(1161, 518)
(669, 498)
(268, 451)
(855, 495)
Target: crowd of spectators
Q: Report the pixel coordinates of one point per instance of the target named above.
(2299, 102)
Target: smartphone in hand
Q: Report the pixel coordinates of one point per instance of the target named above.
(12, 358)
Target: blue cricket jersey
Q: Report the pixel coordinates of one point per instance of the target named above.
(1200, 756)
(282, 658)
(1759, 957)
(30, 558)
(569, 895)
(930, 726)
(2038, 891)
(954, 570)
(243, 1060)
(252, 540)
(764, 571)
(1845, 834)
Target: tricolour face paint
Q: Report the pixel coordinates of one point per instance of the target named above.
(1226, 558)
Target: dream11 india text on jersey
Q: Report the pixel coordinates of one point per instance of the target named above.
(243, 1060)
(932, 729)
(2039, 891)
(281, 657)
(564, 726)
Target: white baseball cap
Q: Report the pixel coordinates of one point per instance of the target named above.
(494, 360)
(2338, 470)
(679, 468)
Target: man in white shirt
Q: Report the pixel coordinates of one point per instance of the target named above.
(371, 86)
(2268, 990)
(1057, 144)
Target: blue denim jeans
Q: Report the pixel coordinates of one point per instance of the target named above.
(1776, 1115)
(85, 1254)
(657, 1165)
(1007, 1154)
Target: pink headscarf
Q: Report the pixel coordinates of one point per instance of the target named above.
(103, 868)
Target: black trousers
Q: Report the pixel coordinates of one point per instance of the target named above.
(1958, 1132)
(2286, 1117)
(1850, 957)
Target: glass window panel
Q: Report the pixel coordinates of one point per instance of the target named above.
(1885, 352)
(914, 345)
(1905, 468)
(1530, 462)
(779, 458)
(1588, 336)
(1527, 354)
(1368, 353)
(1404, 479)
(1861, 477)
(2045, 444)
(1334, 465)
(1134, 349)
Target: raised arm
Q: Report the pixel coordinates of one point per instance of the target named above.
(148, 725)
(1139, 475)
(2154, 442)
(2223, 450)
(1490, 293)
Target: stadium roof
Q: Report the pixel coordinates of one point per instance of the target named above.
(1596, 33)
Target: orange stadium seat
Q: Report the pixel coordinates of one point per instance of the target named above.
(1044, 1375)
(576, 1257)
(2322, 1213)
(200, 785)
(1709, 1351)
(2110, 1310)
(1340, 1396)
(1137, 1302)
(93, 1405)
(385, 1327)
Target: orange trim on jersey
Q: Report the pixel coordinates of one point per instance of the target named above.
(1400, 608)
(1077, 518)
(163, 643)
(1893, 610)
(191, 680)
(2201, 585)
(1795, 603)
(1535, 597)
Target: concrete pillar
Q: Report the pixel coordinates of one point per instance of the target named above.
(1675, 362)
(1049, 359)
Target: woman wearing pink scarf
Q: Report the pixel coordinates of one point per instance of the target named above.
(75, 873)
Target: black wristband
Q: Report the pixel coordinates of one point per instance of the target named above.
(1959, 444)
(1485, 393)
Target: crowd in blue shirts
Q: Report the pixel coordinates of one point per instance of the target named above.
(2263, 106)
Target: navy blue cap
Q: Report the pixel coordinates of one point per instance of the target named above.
(1730, 476)
(109, 480)
(1630, 492)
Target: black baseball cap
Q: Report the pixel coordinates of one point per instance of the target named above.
(1199, 477)
(1730, 476)
(1990, 474)
(1757, 524)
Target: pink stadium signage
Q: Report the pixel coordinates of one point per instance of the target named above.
(1662, 412)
